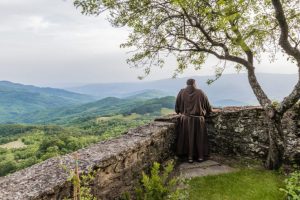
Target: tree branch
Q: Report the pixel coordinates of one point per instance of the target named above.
(291, 99)
(284, 35)
(257, 89)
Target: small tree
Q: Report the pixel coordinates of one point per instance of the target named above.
(237, 31)
(159, 185)
(81, 182)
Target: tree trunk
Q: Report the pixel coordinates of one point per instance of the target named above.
(276, 142)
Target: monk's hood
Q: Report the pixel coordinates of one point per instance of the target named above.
(190, 89)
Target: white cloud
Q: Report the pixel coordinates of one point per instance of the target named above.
(37, 23)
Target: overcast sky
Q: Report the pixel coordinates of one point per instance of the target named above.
(49, 43)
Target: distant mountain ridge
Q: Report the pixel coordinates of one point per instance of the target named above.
(146, 94)
(6, 86)
(29, 104)
(17, 99)
(230, 86)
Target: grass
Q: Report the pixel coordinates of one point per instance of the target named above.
(246, 184)
(132, 116)
(166, 111)
(13, 145)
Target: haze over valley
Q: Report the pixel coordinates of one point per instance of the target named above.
(29, 104)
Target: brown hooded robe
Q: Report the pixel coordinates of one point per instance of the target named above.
(193, 106)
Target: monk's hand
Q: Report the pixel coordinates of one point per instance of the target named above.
(215, 110)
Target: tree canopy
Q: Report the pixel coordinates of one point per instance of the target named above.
(232, 30)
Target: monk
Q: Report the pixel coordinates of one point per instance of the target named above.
(193, 106)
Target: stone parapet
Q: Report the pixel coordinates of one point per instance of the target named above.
(118, 164)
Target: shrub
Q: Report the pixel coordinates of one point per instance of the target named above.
(81, 183)
(292, 188)
(159, 185)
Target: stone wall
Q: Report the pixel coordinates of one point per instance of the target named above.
(242, 132)
(118, 164)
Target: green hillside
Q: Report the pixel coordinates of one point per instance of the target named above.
(60, 122)
(105, 107)
(24, 145)
(17, 100)
(147, 94)
(153, 105)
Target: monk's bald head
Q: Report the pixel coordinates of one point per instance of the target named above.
(191, 82)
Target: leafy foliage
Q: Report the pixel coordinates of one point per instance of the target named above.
(234, 31)
(292, 187)
(159, 185)
(81, 183)
(42, 142)
(193, 29)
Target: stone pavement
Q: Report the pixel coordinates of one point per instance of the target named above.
(208, 167)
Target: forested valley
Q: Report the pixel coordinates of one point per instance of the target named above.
(46, 133)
